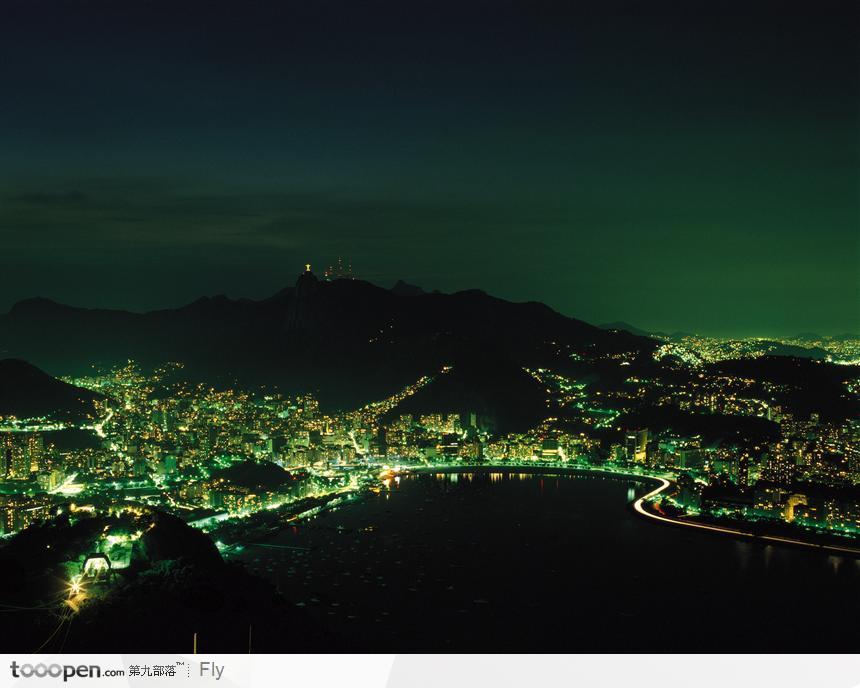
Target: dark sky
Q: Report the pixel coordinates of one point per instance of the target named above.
(679, 166)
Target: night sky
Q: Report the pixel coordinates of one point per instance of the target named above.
(686, 166)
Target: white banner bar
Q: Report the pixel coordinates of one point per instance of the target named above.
(430, 671)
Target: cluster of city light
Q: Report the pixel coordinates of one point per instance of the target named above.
(694, 350)
(170, 451)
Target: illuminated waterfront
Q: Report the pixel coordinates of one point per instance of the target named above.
(500, 561)
(659, 480)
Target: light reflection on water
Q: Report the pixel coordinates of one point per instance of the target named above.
(634, 487)
(490, 561)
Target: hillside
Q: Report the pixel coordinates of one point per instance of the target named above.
(27, 392)
(348, 341)
(506, 398)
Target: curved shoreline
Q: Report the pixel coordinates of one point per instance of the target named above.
(640, 507)
(640, 504)
(507, 468)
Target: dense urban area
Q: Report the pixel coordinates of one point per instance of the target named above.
(237, 465)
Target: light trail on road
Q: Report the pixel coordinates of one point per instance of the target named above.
(638, 505)
(99, 428)
(68, 481)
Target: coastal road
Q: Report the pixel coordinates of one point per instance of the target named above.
(639, 506)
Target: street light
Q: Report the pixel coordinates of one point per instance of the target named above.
(75, 587)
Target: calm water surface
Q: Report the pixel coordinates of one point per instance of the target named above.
(525, 562)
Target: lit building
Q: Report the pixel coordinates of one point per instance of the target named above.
(636, 445)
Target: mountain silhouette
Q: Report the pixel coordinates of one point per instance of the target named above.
(402, 288)
(348, 341)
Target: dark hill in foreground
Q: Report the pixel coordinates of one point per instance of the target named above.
(177, 585)
(27, 392)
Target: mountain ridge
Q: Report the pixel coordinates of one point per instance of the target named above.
(349, 341)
